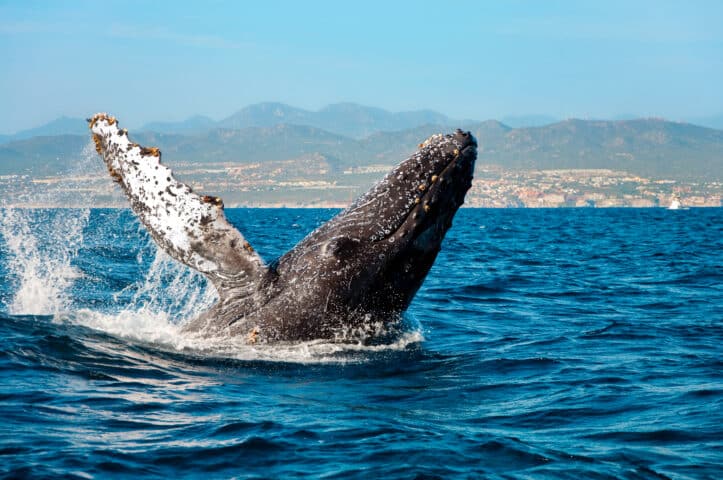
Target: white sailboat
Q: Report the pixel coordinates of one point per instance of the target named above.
(676, 204)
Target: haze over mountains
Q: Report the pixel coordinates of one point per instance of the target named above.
(351, 135)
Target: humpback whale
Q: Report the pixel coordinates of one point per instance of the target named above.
(356, 273)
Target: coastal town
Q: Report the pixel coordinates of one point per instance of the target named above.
(312, 181)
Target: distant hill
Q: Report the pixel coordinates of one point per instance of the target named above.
(648, 147)
(348, 119)
(266, 114)
(39, 156)
(60, 126)
(252, 144)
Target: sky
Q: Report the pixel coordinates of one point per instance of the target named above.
(167, 60)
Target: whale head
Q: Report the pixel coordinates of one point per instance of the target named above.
(375, 255)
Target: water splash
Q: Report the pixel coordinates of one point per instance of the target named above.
(42, 244)
(169, 289)
(153, 308)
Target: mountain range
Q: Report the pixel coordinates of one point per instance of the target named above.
(346, 119)
(654, 148)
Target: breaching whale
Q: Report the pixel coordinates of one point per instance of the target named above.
(356, 273)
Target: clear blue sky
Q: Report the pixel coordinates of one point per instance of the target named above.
(156, 60)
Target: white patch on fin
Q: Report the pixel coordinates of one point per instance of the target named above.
(191, 228)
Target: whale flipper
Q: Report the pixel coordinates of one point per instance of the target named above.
(191, 228)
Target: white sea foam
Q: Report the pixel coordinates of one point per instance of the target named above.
(314, 351)
(148, 327)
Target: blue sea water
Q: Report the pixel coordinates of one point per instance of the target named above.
(574, 343)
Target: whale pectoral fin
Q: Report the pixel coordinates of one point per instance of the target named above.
(191, 228)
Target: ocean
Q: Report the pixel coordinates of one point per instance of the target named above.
(561, 343)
